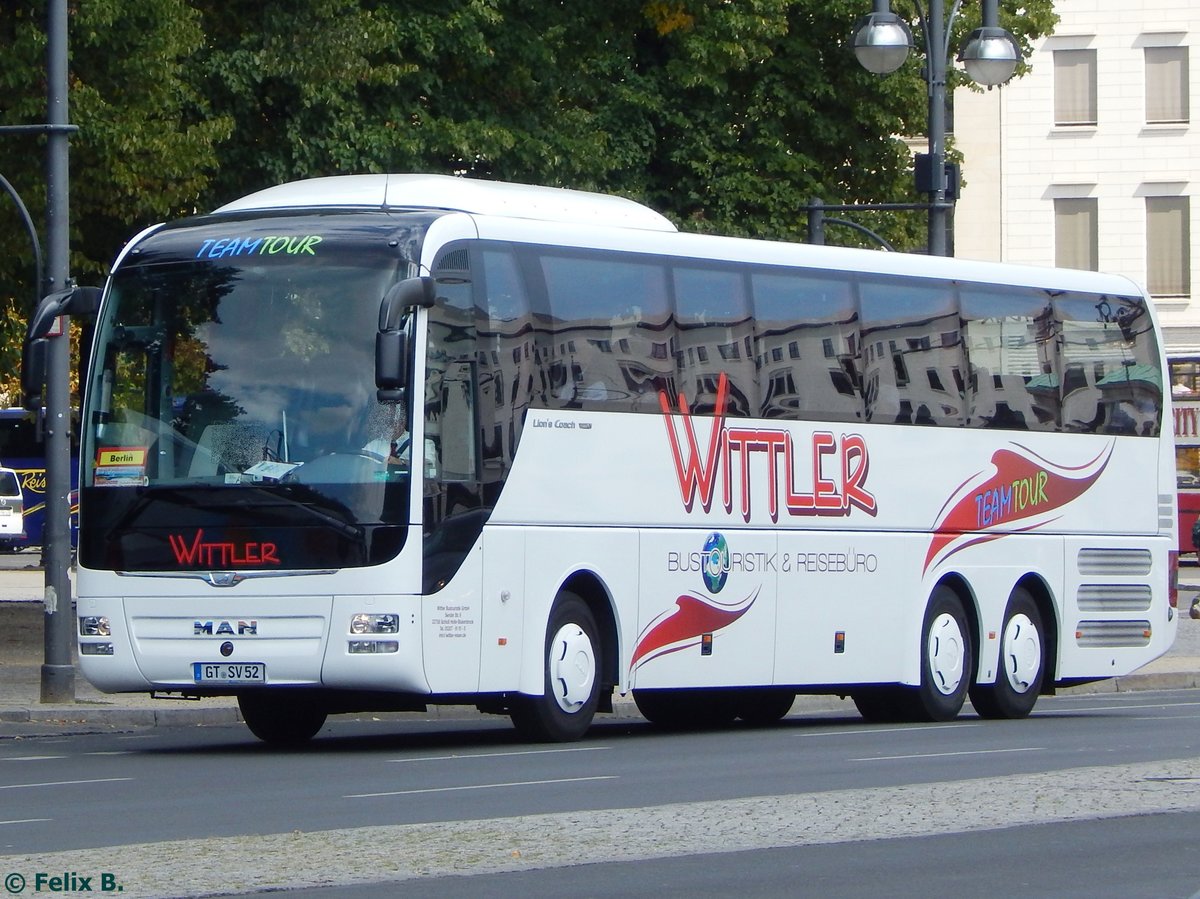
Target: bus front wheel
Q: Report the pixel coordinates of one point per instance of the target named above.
(282, 717)
(571, 665)
(762, 706)
(947, 659)
(1022, 660)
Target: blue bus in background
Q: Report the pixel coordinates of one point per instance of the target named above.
(21, 451)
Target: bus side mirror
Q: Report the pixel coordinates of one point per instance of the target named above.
(411, 293)
(33, 373)
(391, 342)
(80, 301)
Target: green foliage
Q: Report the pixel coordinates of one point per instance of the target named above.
(726, 116)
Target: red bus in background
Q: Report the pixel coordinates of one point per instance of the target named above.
(1185, 391)
(1187, 468)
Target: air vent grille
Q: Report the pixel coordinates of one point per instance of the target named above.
(1112, 633)
(1115, 597)
(1115, 561)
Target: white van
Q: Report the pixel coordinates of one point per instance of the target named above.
(12, 511)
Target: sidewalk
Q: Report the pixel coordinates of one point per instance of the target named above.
(22, 654)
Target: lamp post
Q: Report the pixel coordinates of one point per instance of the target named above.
(990, 55)
(58, 670)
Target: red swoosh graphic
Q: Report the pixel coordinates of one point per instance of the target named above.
(1023, 486)
(692, 617)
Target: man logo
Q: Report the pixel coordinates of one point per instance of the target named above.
(224, 628)
(716, 562)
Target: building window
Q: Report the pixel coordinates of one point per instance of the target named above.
(1076, 234)
(1166, 85)
(1168, 246)
(1075, 87)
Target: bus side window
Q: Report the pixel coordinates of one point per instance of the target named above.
(917, 322)
(808, 346)
(714, 334)
(1008, 338)
(608, 344)
(506, 365)
(1108, 360)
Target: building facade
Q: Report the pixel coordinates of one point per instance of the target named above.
(1092, 159)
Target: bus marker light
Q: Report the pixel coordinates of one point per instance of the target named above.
(839, 642)
(361, 647)
(502, 641)
(706, 644)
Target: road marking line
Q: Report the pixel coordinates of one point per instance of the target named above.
(941, 755)
(515, 783)
(496, 755)
(887, 730)
(32, 758)
(1050, 713)
(64, 783)
(27, 821)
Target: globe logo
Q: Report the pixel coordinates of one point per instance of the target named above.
(716, 562)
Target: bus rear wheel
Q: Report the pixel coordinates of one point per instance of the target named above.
(1022, 663)
(282, 717)
(571, 663)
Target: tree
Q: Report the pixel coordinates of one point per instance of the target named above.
(144, 150)
(726, 116)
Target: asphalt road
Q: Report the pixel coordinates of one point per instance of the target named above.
(1112, 780)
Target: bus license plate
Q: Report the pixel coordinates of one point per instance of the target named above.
(229, 672)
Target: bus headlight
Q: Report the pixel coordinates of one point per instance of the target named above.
(94, 626)
(364, 623)
(96, 649)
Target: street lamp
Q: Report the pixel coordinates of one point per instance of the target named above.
(990, 55)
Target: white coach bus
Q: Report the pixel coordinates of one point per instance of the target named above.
(374, 442)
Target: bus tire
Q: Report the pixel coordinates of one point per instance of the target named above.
(1022, 662)
(571, 668)
(763, 706)
(282, 717)
(883, 705)
(687, 709)
(947, 659)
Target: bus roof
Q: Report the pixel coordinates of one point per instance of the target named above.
(458, 195)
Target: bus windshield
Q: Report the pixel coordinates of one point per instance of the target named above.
(233, 383)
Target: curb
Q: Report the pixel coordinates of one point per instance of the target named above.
(63, 714)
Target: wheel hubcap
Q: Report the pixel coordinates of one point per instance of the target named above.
(1022, 650)
(946, 653)
(572, 667)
